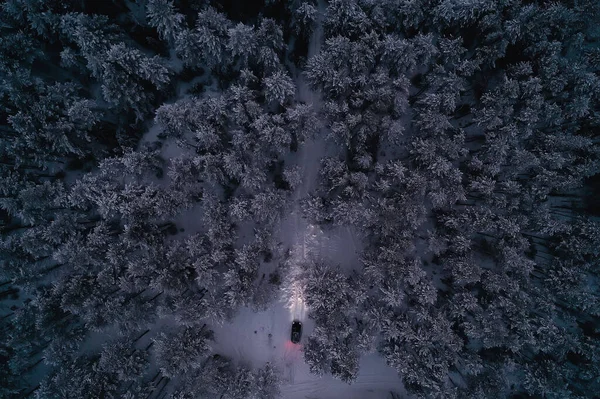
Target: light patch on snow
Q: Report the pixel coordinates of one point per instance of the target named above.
(293, 294)
(190, 220)
(253, 338)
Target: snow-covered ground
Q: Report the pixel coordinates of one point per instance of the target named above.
(253, 338)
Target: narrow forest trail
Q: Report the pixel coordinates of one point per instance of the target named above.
(257, 337)
(376, 379)
(304, 236)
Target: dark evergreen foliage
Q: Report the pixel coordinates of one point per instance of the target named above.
(462, 147)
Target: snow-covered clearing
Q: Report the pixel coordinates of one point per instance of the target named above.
(253, 338)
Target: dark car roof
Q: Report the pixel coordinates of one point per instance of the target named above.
(296, 331)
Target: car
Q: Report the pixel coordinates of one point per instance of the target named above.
(296, 331)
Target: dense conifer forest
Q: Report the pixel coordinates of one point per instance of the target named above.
(417, 181)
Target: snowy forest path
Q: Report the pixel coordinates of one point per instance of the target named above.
(257, 337)
(378, 379)
(308, 160)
